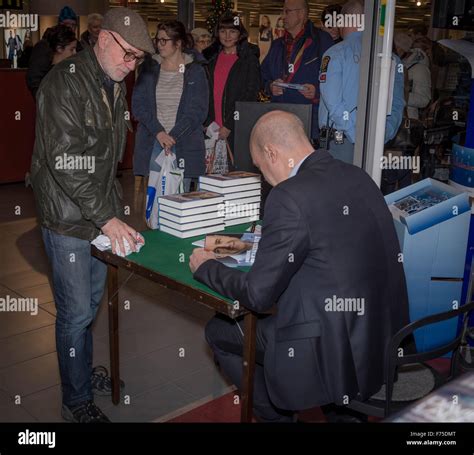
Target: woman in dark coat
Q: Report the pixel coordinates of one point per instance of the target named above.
(170, 102)
(234, 74)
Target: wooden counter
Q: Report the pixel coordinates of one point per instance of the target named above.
(17, 126)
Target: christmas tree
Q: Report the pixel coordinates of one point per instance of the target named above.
(218, 7)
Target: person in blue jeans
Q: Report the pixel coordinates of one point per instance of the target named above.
(81, 130)
(78, 282)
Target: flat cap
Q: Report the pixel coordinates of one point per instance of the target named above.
(130, 26)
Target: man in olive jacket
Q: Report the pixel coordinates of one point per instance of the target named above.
(81, 130)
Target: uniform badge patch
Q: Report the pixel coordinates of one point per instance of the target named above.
(325, 64)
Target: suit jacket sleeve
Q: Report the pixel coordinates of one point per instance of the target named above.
(283, 248)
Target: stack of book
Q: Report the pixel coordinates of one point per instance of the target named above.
(190, 214)
(241, 192)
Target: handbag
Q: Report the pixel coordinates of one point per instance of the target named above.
(409, 136)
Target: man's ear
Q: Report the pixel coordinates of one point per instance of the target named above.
(103, 39)
(266, 152)
(270, 152)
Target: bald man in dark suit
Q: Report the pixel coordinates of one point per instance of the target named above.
(328, 260)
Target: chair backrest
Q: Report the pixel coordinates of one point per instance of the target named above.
(394, 359)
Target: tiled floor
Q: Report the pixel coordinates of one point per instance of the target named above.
(165, 361)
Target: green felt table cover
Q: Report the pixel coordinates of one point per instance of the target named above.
(169, 256)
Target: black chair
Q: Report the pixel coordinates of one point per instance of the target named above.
(383, 408)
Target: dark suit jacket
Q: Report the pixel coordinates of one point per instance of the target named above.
(327, 234)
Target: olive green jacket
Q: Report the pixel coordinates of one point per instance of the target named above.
(79, 142)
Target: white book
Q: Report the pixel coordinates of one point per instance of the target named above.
(164, 213)
(189, 226)
(239, 210)
(193, 211)
(235, 221)
(238, 195)
(254, 200)
(255, 215)
(243, 194)
(230, 179)
(193, 232)
(191, 200)
(231, 189)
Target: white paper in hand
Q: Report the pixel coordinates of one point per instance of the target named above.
(102, 243)
(212, 131)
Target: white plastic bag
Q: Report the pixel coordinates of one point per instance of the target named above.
(165, 179)
(217, 151)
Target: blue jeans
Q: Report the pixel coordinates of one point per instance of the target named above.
(78, 282)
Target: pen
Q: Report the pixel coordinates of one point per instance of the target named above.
(254, 225)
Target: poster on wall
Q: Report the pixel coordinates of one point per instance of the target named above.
(271, 28)
(16, 39)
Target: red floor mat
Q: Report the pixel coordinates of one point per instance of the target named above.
(224, 409)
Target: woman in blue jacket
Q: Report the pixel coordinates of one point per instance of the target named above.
(170, 102)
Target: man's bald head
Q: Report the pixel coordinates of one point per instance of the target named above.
(277, 144)
(278, 127)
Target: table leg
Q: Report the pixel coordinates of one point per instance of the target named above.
(250, 326)
(112, 289)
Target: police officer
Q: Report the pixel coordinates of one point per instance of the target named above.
(339, 85)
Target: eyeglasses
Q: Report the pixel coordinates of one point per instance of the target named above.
(163, 41)
(129, 56)
(288, 10)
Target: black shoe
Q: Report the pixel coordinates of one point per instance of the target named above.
(347, 418)
(342, 414)
(86, 412)
(101, 382)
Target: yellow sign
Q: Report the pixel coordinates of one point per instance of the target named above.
(383, 10)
